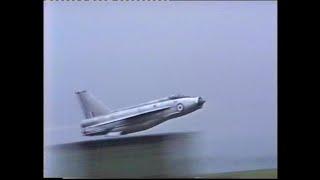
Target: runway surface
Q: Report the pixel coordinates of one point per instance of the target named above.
(145, 156)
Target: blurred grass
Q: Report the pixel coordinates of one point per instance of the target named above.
(261, 173)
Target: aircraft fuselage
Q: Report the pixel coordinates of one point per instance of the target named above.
(140, 117)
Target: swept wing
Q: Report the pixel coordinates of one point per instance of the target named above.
(131, 116)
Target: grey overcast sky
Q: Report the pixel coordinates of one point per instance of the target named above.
(131, 52)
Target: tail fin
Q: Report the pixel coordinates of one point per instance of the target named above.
(91, 107)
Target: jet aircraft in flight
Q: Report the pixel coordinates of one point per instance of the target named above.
(102, 121)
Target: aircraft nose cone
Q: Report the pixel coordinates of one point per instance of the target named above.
(201, 101)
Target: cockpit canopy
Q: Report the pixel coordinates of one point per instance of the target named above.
(177, 96)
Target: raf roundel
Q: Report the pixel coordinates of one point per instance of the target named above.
(179, 107)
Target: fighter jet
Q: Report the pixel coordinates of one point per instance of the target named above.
(99, 120)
